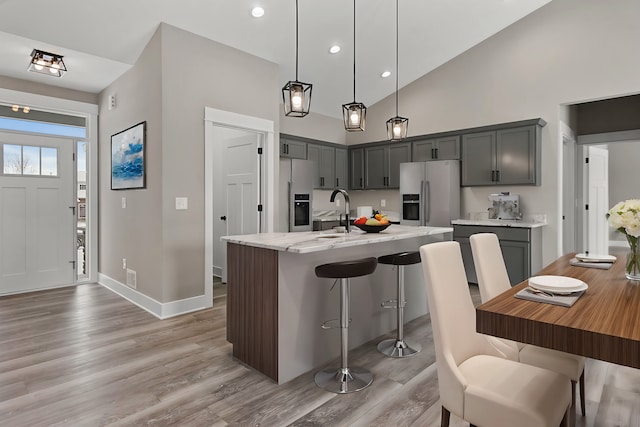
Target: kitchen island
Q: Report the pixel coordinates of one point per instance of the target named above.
(276, 304)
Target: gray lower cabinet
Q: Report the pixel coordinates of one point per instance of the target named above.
(324, 160)
(342, 168)
(356, 168)
(521, 249)
(508, 156)
(445, 148)
(293, 149)
(382, 165)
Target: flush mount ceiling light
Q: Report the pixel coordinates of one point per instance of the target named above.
(47, 63)
(354, 113)
(397, 126)
(385, 74)
(296, 95)
(334, 49)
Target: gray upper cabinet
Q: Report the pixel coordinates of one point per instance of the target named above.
(445, 148)
(342, 168)
(478, 158)
(293, 149)
(356, 168)
(382, 165)
(324, 160)
(508, 156)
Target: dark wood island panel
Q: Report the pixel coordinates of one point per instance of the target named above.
(252, 306)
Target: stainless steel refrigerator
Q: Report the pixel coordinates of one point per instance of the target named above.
(296, 195)
(430, 193)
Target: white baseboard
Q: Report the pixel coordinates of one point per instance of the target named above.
(158, 309)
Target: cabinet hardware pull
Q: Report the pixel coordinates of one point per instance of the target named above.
(497, 176)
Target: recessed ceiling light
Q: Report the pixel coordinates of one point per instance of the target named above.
(257, 12)
(385, 74)
(334, 49)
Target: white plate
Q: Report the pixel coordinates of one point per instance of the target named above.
(595, 258)
(557, 284)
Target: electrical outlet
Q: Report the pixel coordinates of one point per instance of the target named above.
(338, 202)
(124, 202)
(124, 263)
(383, 203)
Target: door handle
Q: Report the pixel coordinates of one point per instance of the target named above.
(73, 208)
(223, 218)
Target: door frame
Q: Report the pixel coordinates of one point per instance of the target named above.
(267, 178)
(90, 113)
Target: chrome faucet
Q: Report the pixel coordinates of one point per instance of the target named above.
(346, 203)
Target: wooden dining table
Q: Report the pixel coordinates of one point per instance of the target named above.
(604, 323)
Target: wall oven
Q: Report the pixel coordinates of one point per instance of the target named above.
(301, 212)
(411, 209)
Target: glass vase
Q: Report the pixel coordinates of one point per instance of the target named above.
(632, 268)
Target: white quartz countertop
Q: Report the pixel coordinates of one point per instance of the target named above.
(316, 241)
(500, 223)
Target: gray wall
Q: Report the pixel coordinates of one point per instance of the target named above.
(46, 90)
(566, 52)
(134, 233)
(610, 115)
(624, 175)
(178, 74)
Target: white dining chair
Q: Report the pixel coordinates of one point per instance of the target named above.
(493, 279)
(476, 382)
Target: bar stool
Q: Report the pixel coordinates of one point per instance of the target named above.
(397, 347)
(344, 379)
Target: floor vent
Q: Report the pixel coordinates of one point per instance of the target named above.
(131, 278)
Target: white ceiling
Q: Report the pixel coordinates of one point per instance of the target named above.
(101, 39)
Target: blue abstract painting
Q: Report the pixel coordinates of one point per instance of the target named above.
(127, 158)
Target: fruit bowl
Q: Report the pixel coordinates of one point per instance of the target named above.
(372, 228)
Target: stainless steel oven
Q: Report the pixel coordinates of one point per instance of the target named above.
(411, 209)
(301, 213)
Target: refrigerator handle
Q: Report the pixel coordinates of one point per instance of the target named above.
(422, 204)
(289, 207)
(428, 202)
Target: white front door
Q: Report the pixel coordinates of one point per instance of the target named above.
(37, 213)
(598, 200)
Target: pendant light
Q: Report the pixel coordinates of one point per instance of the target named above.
(355, 113)
(296, 96)
(397, 126)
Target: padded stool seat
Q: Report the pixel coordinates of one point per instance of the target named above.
(353, 268)
(397, 347)
(401, 258)
(345, 379)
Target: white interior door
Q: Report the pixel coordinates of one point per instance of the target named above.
(37, 213)
(236, 188)
(598, 200)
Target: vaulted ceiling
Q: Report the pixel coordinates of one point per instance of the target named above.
(100, 40)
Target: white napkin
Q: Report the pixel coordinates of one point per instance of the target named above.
(601, 265)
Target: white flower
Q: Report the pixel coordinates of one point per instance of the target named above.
(625, 217)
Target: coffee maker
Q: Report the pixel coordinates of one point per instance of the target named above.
(504, 206)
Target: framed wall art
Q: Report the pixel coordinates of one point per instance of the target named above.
(128, 169)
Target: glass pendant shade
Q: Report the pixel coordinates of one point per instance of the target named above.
(355, 115)
(397, 128)
(296, 97)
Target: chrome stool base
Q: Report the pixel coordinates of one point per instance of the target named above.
(397, 348)
(343, 380)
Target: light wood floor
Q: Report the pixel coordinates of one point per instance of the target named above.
(83, 356)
